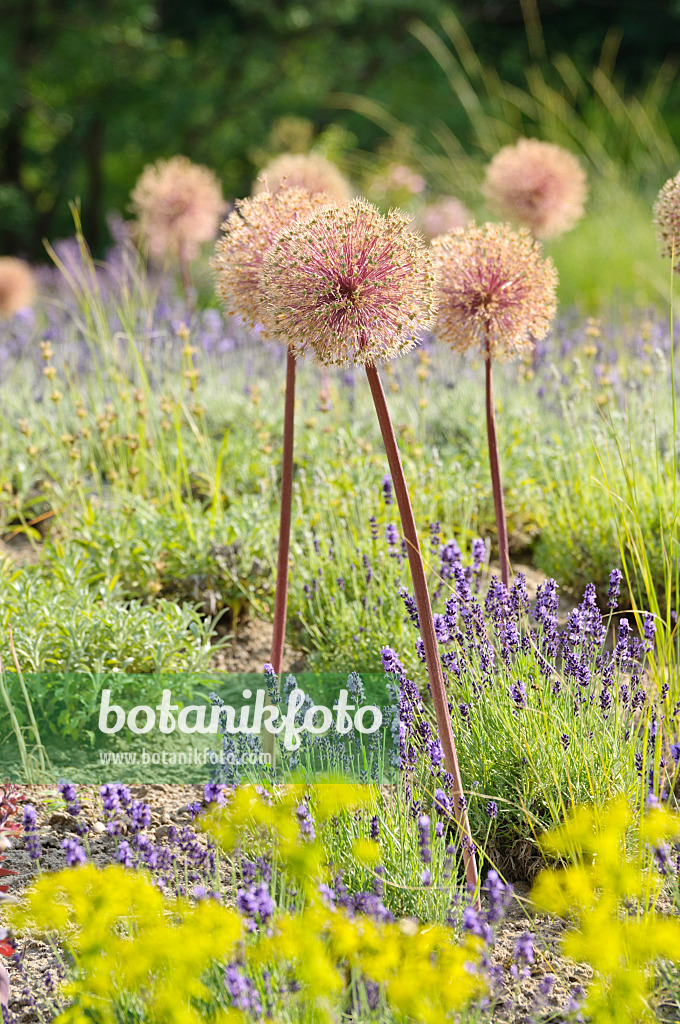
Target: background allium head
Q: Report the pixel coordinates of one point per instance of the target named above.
(493, 283)
(178, 206)
(17, 285)
(537, 184)
(247, 235)
(443, 215)
(667, 220)
(309, 171)
(350, 284)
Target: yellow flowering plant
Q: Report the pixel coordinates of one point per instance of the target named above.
(611, 890)
(130, 945)
(141, 956)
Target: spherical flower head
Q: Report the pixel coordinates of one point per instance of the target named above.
(248, 234)
(537, 184)
(443, 215)
(17, 285)
(495, 286)
(350, 284)
(178, 205)
(667, 220)
(309, 171)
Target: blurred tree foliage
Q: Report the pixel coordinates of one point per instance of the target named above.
(91, 90)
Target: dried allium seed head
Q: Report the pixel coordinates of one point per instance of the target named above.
(493, 284)
(17, 285)
(248, 234)
(349, 284)
(308, 171)
(537, 184)
(178, 206)
(443, 215)
(667, 220)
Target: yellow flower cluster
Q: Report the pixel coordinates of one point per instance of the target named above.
(129, 942)
(607, 891)
(134, 947)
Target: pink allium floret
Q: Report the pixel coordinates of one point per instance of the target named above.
(350, 284)
(17, 285)
(178, 205)
(443, 215)
(667, 220)
(537, 184)
(247, 235)
(493, 283)
(311, 172)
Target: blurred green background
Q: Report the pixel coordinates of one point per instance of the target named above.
(92, 91)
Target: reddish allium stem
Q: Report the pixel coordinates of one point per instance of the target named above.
(496, 485)
(422, 599)
(280, 599)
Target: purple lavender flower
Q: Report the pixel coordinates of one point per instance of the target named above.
(256, 904)
(410, 606)
(306, 822)
(213, 792)
(476, 925)
(75, 854)
(615, 578)
(242, 992)
(124, 854)
(139, 815)
(374, 830)
(649, 631)
(442, 804)
(424, 838)
(518, 693)
(524, 948)
(30, 823)
(387, 489)
(492, 809)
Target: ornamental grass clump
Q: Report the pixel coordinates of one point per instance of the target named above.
(537, 184)
(496, 295)
(353, 286)
(248, 234)
(178, 206)
(308, 171)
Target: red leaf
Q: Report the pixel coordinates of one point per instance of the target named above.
(4, 986)
(7, 948)
(6, 871)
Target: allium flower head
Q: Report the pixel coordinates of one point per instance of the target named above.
(309, 171)
(350, 284)
(493, 284)
(443, 215)
(667, 220)
(17, 285)
(537, 184)
(249, 232)
(178, 205)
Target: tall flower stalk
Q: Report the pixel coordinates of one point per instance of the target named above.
(248, 234)
(496, 295)
(353, 286)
